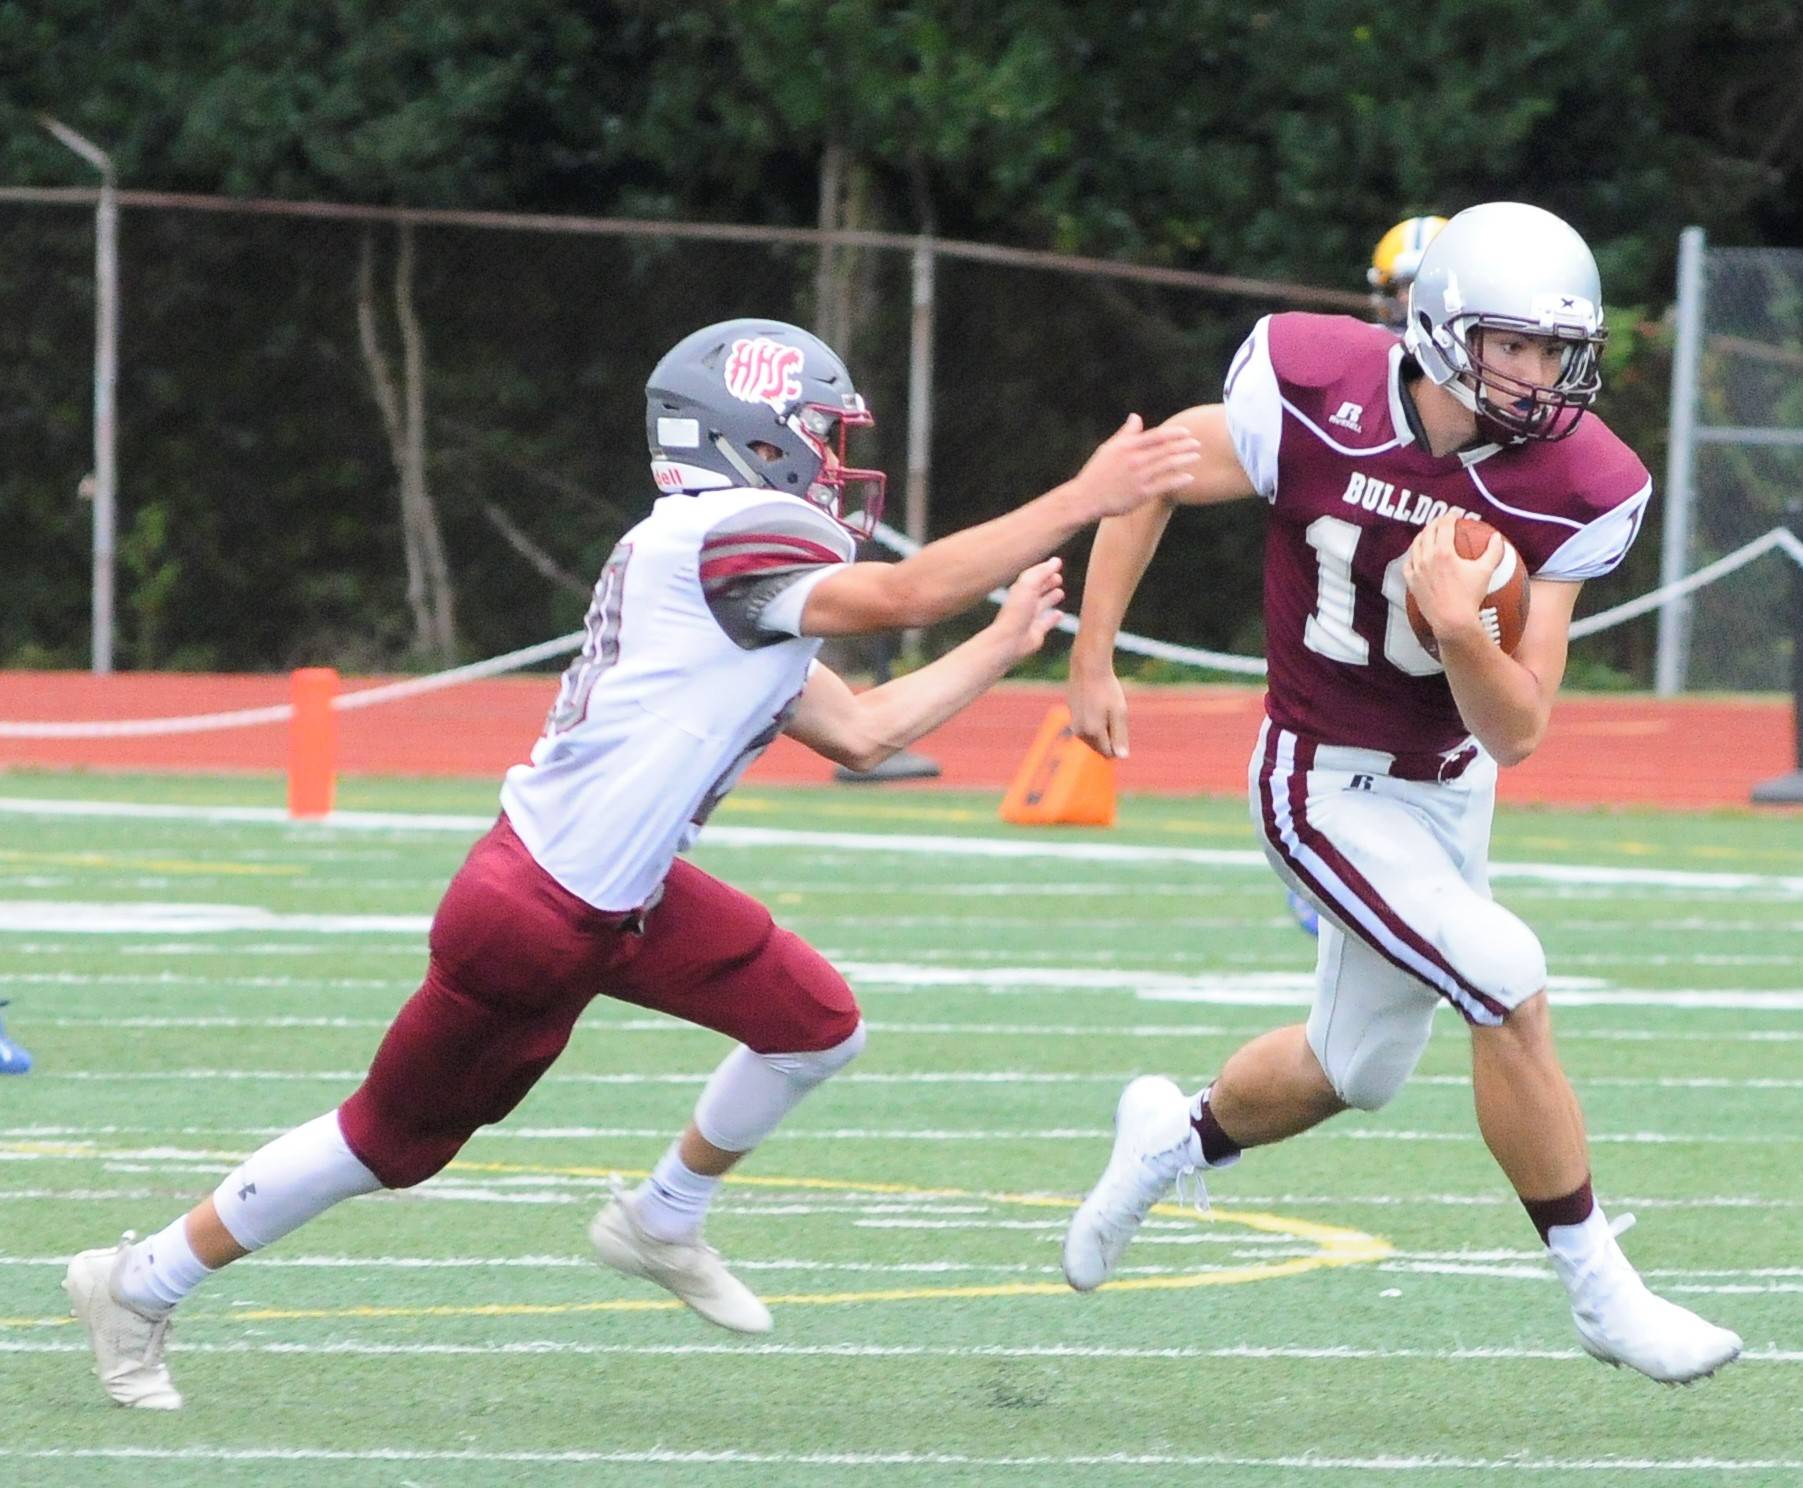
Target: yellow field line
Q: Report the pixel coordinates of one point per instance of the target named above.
(1338, 1247)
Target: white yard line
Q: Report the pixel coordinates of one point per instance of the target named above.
(604, 1025)
(865, 1077)
(1232, 989)
(1511, 1264)
(839, 1461)
(798, 1132)
(1246, 989)
(903, 844)
(458, 1188)
(793, 1132)
(1246, 1351)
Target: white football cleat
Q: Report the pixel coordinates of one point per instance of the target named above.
(1154, 1145)
(1620, 1321)
(128, 1344)
(691, 1269)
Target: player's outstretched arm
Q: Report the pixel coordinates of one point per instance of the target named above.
(1123, 547)
(862, 729)
(1132, 467)
(1506, 701)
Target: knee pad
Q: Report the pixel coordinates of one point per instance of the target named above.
(750, 1093)
(1497, 953)
(811, 1068)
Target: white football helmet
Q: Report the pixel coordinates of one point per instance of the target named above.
(1507, 266)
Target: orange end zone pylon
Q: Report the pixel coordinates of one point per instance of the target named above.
(1061, 780)
(312, 742)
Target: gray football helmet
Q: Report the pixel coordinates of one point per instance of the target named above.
(727, 387)
(1507, 266)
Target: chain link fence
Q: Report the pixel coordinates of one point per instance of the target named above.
(1747, 469)
(259, 515)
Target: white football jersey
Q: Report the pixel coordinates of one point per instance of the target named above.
(692, 664)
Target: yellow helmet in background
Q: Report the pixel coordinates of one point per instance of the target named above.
(1393, 265)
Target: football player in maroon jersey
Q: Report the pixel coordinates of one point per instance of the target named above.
(1393, 264)
(1373, 783)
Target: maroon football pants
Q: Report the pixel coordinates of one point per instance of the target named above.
(516, 957)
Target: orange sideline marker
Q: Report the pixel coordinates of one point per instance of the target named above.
(312, 742)
(1061, 780)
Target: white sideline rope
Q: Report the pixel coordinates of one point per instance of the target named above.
(366, 697)
(128, 728)
(1778, 537)
(1221, 661)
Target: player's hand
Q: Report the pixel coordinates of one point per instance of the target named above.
(1448, 589)
(1135, 465)
(1031, 609)
(1098, 710)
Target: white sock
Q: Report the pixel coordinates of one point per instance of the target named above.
(1585, 1251)
(280, 1187)
(745, 1098)
(160, 1271)
(672, 1202)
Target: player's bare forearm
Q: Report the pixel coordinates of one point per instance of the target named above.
(1118, 559)
(1133, 466)
(949, 576)
(1124, 545)
(1498, 698)
(862, 729)
(1123, 548)
(903, 710)
(1507, 701)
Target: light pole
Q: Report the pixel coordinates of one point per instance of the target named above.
(106, 369)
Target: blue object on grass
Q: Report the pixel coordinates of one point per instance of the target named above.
(1306, 914)
(13, 1059)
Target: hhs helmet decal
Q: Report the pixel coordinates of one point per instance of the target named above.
(759, 370)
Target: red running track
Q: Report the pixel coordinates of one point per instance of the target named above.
(1606, 750)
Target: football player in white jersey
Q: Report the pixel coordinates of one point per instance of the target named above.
(1373, 783)
(700, 649)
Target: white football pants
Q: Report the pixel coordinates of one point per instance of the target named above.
(1399, 870)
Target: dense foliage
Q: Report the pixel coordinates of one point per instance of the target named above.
(259, 519)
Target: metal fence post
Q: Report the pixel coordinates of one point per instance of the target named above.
(920, 410)
(106, 376)
(1672, 658)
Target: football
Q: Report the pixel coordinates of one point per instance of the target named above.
(1504, 613)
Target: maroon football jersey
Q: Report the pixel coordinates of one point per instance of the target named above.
(1314, 403)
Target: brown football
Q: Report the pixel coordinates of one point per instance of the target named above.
(1504, 612)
